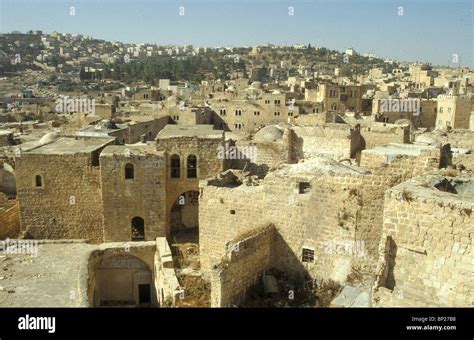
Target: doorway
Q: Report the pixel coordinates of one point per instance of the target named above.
(144, 296)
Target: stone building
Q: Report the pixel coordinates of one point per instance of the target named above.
(426, 248)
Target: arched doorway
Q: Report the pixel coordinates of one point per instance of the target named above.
(185, 213)
(123, 280)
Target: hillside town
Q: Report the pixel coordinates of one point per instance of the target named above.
(138, 175)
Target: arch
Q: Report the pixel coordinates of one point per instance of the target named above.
(121, 280)
(138, 229)
(192, 166)
(129, 171)
(175, 166)
(184, 213)
(38, 181)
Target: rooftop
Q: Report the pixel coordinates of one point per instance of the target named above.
(316, 165)
(203, 131)
(399, 149)
(69, 146)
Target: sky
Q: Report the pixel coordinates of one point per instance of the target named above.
(428, 31)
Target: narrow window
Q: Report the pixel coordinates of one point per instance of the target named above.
(138, 229)
(308, 255)
(303, 187)
(38, 181)
(175, 167)
(129, 171)
(192, 163)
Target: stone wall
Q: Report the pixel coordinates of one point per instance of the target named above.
(467, 161)
(9, 221)
(338, 141)
(381, 134)
(318, 218)
(426, 247)
(166, 283)
(142, 196)
(68, 205)
(208, 164)
(246, 257)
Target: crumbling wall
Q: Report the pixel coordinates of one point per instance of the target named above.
(10, 221)
(166, 283)
(464, 162)
(246, 257)
(426, 248)
(320, 218)
(377, 135)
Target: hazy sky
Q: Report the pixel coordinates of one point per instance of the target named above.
(428, 30)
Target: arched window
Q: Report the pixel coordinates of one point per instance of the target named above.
(138, 229)
(192, 166)
(38, 181)
(175, 167)
(129, 171)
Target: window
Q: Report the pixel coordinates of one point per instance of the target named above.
(308, 255)
(222, 112)
(175, 166)
(192, 166)
(449, 110)
(232, 212)
(256, 113)
(238, 126)
(175, 117)
(276, 113)
(441, 109)
(38, 181)
(129, 171)
(303, 187)
(145, 96)
(290, 114)
(238, 112)
(138, 229)
(277, 101)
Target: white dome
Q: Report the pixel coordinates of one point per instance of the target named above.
(49, 137)
(269, 133)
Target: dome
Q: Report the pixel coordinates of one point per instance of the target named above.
(106, 124)
(269, 133)
(49, 137)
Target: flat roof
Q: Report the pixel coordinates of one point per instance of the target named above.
(70, 145)
(400, 149)
(204, 131)
(135, 149)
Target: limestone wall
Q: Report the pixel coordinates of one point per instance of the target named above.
(9, 221)
(143, 196)
(69, 205)
(376, 135)
(166, 283)
(318, 219)
(426, 249)
(246, 257)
